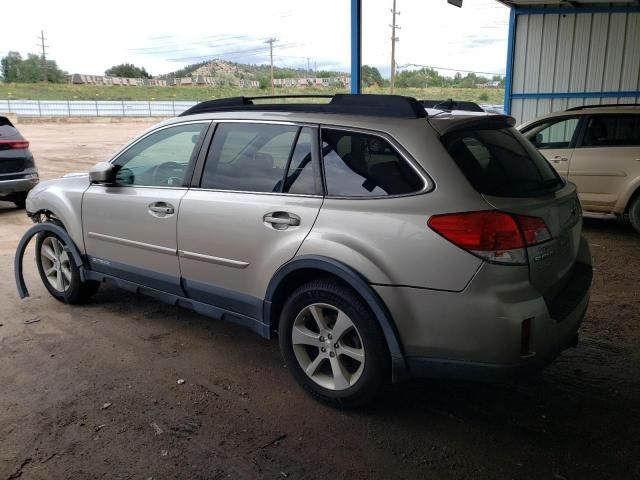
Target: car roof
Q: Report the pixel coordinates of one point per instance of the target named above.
(586, 110)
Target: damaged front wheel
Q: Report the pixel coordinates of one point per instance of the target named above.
(58, 271)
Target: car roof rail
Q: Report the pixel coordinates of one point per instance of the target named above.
(341, 103)
(451, 104)
(604, 105)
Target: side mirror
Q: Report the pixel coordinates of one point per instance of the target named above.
(102, 172)
(537, 140)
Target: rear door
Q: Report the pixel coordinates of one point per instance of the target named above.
(256, 199)
(513, 177)
(130, 227)
(556, 140)
(606, 159)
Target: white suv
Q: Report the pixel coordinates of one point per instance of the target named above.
(597, 148)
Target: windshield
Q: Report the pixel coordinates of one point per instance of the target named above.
(501, 163)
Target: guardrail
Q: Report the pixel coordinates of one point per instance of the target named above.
(104, 108)
(89, 108)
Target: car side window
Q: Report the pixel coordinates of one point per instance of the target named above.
(612, 131)
(254, 157)
(556, 135)
(362, 165)
(161, 159)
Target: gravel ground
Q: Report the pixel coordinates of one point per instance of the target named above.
(92, 391)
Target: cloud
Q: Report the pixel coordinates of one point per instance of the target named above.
(167, 38)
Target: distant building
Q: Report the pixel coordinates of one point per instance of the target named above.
(199, 80)
(491, 84)
(308, 82)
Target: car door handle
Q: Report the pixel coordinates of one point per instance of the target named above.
(558, 159)
(281, 220)
(161, 209)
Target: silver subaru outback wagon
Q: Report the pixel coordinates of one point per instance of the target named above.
(379, 240)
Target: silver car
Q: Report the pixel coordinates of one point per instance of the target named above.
(379, 240)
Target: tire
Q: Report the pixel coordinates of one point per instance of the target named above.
(634, 213)
(336, 378)
(50, 255)
(19, 200)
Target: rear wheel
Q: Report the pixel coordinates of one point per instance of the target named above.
(333, 345)
(634, 213)
(58, 271)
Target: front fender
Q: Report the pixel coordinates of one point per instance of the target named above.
(63, 198)
(70, 248)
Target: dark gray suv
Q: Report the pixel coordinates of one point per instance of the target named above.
(18, 172)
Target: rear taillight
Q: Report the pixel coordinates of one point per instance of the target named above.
(495, 236)
(14, 144)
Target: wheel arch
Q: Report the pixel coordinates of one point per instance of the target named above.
(24, 241)
(308, 267)
(635, 193)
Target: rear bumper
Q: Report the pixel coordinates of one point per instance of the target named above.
(17, 185)
(495, 372)
(476, 334)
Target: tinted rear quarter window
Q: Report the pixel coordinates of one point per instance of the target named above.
(363, 165)
(612, 131)
(501, 162)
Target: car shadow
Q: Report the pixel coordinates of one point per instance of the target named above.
(614, 226)
(7, 207)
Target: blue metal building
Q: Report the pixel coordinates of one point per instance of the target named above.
(561, 53)
(564, 54)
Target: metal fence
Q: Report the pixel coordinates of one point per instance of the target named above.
(88, 108)
(101, 108)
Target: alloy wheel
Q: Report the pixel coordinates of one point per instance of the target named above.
(55, 264)
(328, 346)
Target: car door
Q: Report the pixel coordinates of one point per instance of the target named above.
(555, 140)
(254, 202)
(129, 227)
(606, 160)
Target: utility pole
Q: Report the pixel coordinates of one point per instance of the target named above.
(270, 42)
(44, 55)
(308, 65)
(394, 39)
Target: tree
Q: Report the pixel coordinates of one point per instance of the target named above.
(371, 76)
(11, 67)
(422, 78)
(29, 70)
(127, 70)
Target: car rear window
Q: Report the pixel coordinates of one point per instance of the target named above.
(501, 162)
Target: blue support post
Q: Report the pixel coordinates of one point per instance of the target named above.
(511, 43)
(356, 45)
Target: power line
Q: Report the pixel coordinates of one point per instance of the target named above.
(448, 69)
(44, 55)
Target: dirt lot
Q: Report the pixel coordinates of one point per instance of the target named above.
(91, 392)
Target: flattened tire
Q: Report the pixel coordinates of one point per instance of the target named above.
(634, 213)
(58, 271)
(333, 346)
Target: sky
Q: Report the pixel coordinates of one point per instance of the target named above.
(163, 36)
